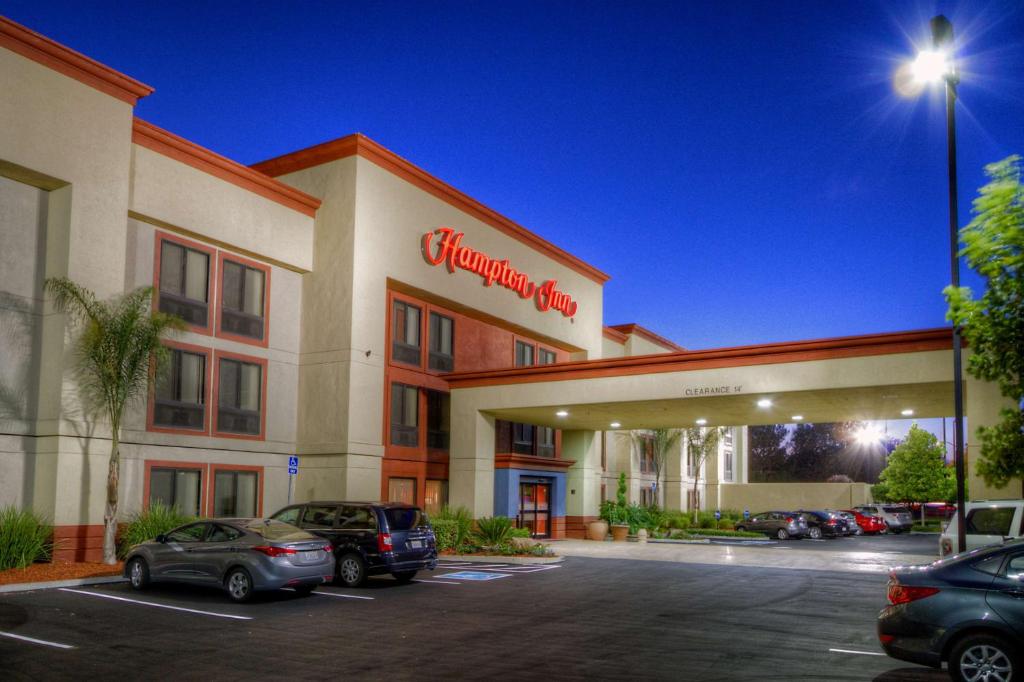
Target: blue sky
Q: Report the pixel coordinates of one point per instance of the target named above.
(744, 171)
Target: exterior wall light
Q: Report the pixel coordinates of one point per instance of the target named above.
(562, 413)
(615, 425)
(907, 413)
(797, 417)
(764, 402)
(702, 421)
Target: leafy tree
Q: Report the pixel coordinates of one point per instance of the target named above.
(701, 443)
(816, 449)
(917, 470)
(118, 340)
(768, 453)
(661, 442)
(993, 325)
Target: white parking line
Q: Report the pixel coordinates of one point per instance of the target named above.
(439, 582)
(853, 651)
(36, 641)
(150, 603)
(340, 596)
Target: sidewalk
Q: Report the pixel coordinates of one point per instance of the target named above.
(777, 556)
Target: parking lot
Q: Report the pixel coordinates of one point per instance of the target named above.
(581, 618)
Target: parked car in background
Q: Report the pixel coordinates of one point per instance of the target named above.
(821, 524)
(369, 538)
(240, 555)
(986, 522)
(897, 519)
(779, 524)
(869, 523)
(966, 611)
(851, 522)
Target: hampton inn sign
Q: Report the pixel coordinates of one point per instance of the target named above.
(449, 250)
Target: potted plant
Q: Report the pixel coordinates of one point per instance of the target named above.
(617, 513)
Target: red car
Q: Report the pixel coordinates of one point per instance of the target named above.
(867, 522)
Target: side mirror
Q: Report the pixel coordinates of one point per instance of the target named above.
(161, 538)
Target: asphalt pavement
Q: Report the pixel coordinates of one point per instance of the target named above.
(585, 618)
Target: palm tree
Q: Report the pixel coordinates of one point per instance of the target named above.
(701, 443)
(662, 442)
(119, 340)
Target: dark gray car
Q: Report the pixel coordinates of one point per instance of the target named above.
(966, 611)
(240, 555)
(779, 524)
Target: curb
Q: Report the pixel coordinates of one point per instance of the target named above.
(498, 559)
(31, 587)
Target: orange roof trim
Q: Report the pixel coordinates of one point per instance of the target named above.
(359, 144)
(159, 140)
(646, 333)
(39, 48)
(739, 356)
(613, 335)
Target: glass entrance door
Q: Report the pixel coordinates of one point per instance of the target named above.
(535, 508)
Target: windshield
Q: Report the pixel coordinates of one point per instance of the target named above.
(895, 510)
(405, 518)
(276, 531)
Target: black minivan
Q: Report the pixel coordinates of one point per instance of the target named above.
(369, 538)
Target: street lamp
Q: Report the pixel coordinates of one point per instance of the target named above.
(932, 66)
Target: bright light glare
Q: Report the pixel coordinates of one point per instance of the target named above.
(615, 425)
(764, 402)
(798, 417)
(930, 66)
(562, 413)
(907, 413)
(868, 435)
(702, 421)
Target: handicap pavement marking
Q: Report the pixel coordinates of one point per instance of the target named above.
(499, 568)
(475, 575)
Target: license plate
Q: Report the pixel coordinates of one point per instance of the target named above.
(310, 556)
(416, 544)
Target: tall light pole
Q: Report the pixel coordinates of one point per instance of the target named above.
(933, 65)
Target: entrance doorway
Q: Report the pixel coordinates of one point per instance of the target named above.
(535, 506)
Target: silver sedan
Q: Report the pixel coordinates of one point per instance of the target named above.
(240, 555)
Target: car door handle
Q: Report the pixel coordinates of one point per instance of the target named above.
(1016, 592)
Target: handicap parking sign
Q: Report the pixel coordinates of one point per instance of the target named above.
(293, 461)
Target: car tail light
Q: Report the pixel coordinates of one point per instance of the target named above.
(789, 519)
(275, 551)
(327, 548)
(886, 639)
(904, 594)
(384, 542)
(830, 522)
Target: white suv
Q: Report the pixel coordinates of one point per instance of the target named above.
(987, 522)
(897, 519)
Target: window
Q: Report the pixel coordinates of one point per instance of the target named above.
(728, 437)
(728, 463)
(692, 499)
(545, 441)
(319, 516)
(647, 455)
(239, 397)
(990, 521)
(180, 488)
(522, 439)
(604, 492)
(646, 496)
(193, 533)
(546, 357)
(435, 496)
(289, 515)
(219, 533)
(524, 354)
(438, 419)
(405, 333)
(184, 283)
(690, 469)
(402, 490)
(441, 343)
(181, 392)
(242, 300)
(235, 493)
(357, 518)
(404, 415)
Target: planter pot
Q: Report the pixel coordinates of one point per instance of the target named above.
(620, 533)
(597, 530)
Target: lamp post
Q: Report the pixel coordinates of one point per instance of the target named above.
(931, 66)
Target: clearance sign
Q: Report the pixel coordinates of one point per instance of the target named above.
(448, 249)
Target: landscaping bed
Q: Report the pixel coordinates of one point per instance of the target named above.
(58, 570)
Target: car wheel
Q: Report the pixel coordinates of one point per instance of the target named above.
(782, 534)
(815, 533)
(741, 529)
(238, 583)
(138, 573)
(351, 570)
(983, 658)
(404, 576)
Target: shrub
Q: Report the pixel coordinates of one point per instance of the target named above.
(146, 525)
(24, 538)
(493, 530)
(446, 532)
(463, 520)
(676, 520)
(519, 532)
